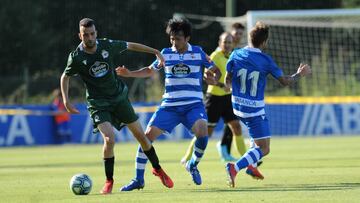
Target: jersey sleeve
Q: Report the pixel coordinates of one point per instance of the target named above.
(118, 46)
(71, 68)
(275, 71)
(206, 61)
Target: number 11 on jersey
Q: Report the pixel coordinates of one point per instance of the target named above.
(253, 76)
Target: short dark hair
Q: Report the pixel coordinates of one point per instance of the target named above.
(86, 22)
(259, 34)
(174, 26)
(238, 26)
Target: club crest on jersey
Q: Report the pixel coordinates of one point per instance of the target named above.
(180, 70)
(104, 54)
(99, 69)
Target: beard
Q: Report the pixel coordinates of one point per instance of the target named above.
(90, 43)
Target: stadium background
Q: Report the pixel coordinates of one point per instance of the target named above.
(38, 35)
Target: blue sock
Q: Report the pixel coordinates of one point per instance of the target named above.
(253, 155)
(199, 148)
(140, 164)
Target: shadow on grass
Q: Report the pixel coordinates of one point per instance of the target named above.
(81, 164)
(287, 188)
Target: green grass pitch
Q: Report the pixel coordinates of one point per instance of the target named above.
(305, 169)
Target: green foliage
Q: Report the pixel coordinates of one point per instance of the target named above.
(351, 3)
(39, 35)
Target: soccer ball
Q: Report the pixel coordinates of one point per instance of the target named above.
(80, 184)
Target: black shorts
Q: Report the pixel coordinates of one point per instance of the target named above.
(118, 114)
(219, 107)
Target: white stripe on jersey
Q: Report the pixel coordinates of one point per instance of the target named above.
(185, 57)
(192, 56)
(193, 69)
(164, 103)
(182, 81)
(182, 94)
(171, 57)
(247, 102)
(247, 115)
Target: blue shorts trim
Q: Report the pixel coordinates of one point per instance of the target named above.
(258, 127)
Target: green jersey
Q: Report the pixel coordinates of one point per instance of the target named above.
(97, 70)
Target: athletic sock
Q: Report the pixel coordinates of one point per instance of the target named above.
(199, 148)
(153, 158)
(109, 167)
(227, 138)
(240, 144)
(252, 156)
(140, 164)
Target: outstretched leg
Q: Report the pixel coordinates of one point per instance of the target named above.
(200, 130)
(144, 154)
(253, 155)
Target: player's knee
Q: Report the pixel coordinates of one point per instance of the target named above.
(150, 135)
(201, 131)
(109, 141)
(200, 128)
(265, 150)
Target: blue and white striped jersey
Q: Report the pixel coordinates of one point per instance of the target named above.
(249, 68)
(183, 75)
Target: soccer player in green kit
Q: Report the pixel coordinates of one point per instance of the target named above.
(106, 95)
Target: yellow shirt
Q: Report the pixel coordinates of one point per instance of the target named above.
(220, 61)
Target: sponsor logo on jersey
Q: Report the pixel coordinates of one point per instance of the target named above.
(180, 70)
(104, 54)
(99, 69)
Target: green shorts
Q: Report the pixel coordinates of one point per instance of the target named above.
(118, 114)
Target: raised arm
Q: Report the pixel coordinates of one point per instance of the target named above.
(303, 70)
(64, 84)
(143, 48)
(141, 73)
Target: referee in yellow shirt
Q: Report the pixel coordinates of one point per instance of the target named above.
(218, 102)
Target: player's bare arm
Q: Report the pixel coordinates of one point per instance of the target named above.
(302, 71)
(143, 48)
(64, 83)
(141, 73)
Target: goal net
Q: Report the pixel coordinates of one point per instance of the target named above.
(328, 40)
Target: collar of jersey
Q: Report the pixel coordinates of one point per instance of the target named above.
(252, 49)
(189, 48)
(81, 45)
